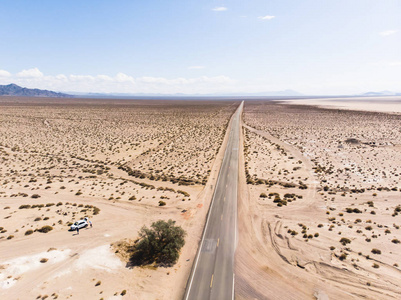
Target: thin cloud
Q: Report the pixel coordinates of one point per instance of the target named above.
(220, 8)
(383, 63)
(4, 73)
(121, 77)
(30, 73)
(196, 67)
(119, 83)
(267, 17)
(388, 32)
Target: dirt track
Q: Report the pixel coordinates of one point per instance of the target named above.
(273, 264)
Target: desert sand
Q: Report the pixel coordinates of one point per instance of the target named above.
(319, 209)
(388, 104)
(62, 160)
(319, 216)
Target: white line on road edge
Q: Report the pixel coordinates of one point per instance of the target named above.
(207, 221)
(236, 214)
(233, 286)
(236, 192)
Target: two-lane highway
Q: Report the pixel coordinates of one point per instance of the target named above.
(212, 275)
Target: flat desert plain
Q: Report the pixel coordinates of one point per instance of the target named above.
(122, 164)
(389, 104)
(319, 210)
(320, 215)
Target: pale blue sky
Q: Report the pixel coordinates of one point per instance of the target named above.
(192, 46)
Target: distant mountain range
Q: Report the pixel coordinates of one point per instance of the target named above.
(15, 90)
(382, 93)
(285, 93)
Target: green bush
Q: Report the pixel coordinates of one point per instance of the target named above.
(183, 193)
(162, 203)
(345, 241)
(29, 232)
(45, 229)
(353, 210)
(160, 244)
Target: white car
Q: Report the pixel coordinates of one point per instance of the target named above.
(79, 224)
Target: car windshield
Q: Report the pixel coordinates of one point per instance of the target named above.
(76, 223)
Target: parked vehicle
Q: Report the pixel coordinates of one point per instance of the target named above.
(79, 224)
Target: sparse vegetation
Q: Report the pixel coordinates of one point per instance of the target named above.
(345, 241)
(45, 229)
(159, 244)
(376, 251)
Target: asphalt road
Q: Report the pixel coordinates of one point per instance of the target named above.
(212, 275)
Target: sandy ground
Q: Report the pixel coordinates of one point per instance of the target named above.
(60, 162)
(318, 214)
(290, 238)
(388, 104)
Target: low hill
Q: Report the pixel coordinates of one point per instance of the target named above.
(382, 93)
(15, 90)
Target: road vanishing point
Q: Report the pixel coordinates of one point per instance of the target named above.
(212, 275)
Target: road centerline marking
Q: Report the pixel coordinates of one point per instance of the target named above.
(213, 228)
